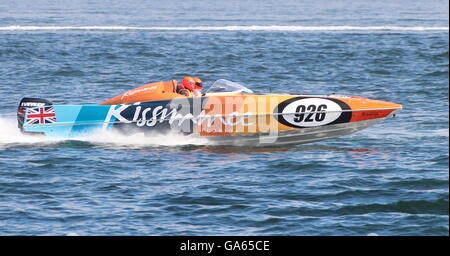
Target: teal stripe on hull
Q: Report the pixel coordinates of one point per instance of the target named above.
(73, 121)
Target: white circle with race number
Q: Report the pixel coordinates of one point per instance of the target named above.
(311, 112)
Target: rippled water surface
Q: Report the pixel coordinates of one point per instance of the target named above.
(390, 179)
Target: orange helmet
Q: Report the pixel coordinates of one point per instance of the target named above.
(188, 83)
(198, 83)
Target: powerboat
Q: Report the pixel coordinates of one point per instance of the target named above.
(228, 113)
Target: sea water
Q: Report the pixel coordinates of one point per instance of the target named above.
(390, 179)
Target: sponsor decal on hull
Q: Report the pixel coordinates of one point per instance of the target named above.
(151, 115)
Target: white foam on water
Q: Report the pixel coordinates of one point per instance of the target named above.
(111, 138)
(225, 28)
(11, 135)
(72, 234)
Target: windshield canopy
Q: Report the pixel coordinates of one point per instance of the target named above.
(223, 86)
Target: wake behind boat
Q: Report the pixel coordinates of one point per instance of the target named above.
(227, 114)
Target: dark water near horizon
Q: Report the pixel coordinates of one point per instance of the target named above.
(390, 179)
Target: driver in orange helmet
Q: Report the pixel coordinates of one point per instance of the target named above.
(190, 87)
(198, 86)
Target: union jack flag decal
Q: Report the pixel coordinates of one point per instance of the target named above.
(43, 115)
